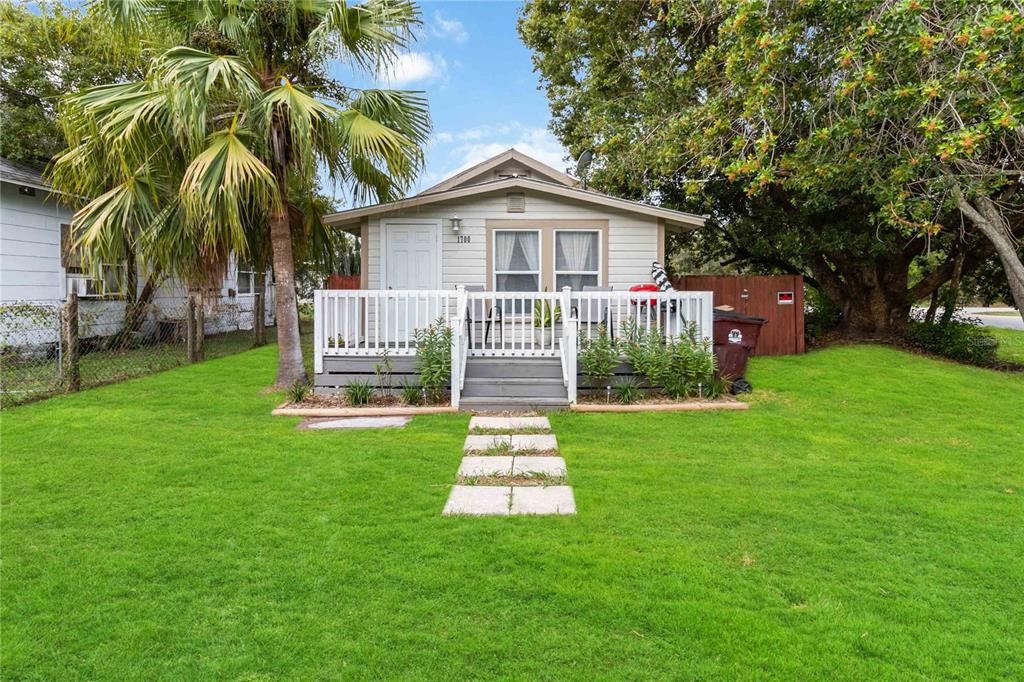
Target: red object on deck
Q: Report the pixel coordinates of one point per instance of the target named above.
(645, 287)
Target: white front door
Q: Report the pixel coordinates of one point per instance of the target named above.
(412, 262)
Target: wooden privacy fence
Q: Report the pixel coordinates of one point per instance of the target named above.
(777, 298)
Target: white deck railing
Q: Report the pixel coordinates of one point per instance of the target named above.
(496, 324)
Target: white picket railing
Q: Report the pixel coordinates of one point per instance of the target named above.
(670, 313)
(496, 324)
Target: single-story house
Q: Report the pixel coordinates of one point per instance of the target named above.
(489, 250)
(39, 267)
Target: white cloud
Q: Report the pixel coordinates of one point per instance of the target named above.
(451, 29)
(415, 67)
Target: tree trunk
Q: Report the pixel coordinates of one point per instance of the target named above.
(933, 306)
(953, 289)
(290, 368)
(984, 214)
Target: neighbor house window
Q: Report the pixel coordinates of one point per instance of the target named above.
(577, 258)
(108, 283)
(246, 280)
(517, 260)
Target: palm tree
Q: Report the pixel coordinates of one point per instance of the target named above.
(222, 142)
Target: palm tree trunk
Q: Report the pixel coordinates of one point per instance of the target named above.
(290, 368)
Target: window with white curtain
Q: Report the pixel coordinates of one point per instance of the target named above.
(577, 258)
(517, 260)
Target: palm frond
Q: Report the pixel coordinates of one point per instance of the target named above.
(370, 33)
(218, 185)
(184, 67)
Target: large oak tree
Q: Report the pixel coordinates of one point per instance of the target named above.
(719, 106)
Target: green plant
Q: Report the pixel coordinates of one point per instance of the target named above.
(412, 394)
(298, 391)
(598, 357)
(544, 313)
(434, 351)
(627, 390)
(359, 392)
(382, 370)
(960, 339)
(647, 352)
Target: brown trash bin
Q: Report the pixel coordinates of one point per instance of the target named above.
(735, 338)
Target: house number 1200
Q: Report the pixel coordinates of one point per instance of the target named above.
(463, 239)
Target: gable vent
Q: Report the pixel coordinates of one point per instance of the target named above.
(516, 202)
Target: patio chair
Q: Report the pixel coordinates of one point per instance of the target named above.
(475, 313)
(595, 310)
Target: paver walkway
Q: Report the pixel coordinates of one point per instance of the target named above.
(510, 473)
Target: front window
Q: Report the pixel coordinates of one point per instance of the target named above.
(577, 259)
(517, 260)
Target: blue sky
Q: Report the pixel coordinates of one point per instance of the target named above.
(479, 81)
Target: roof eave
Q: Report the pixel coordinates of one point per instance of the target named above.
(670, 216)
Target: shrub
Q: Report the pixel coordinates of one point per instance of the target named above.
(412, 394)
(627, 390)
(359, 392)
(434, 350)
(960, 339)
(298, 391)
(598, 357)
(684, 367)
(647, 353)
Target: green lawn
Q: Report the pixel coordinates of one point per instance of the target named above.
(865, 519)
(1011, 344)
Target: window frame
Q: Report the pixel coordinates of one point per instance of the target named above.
(249, 268)
(539, 272)
(555, 272)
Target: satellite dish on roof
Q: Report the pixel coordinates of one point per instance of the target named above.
(582, 164)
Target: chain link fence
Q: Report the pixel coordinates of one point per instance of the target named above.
(109, 344)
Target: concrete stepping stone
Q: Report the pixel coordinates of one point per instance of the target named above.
(539, 442)
(509, 423)
(555, 499)
(483, 443)
(478, 500)
(357, 423)
(548, 466)
(486, 466)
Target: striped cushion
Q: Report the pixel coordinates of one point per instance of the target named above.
(660, 277)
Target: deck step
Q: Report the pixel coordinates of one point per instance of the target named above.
(510, 404)
(523, 368)
(532, 387)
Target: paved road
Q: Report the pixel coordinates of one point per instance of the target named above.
(1004, 321)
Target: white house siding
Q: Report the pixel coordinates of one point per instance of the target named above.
(30, 246)
(632, 239)
(31, 271)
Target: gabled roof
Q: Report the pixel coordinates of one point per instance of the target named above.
(481, 172)
(671, 217)
(23, 173)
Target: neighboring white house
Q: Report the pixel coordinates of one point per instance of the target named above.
(489, 250)
(38, 266)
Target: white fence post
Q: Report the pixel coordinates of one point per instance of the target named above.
(318, 332)
(707, 315)
(570, 342)
(455, 324)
